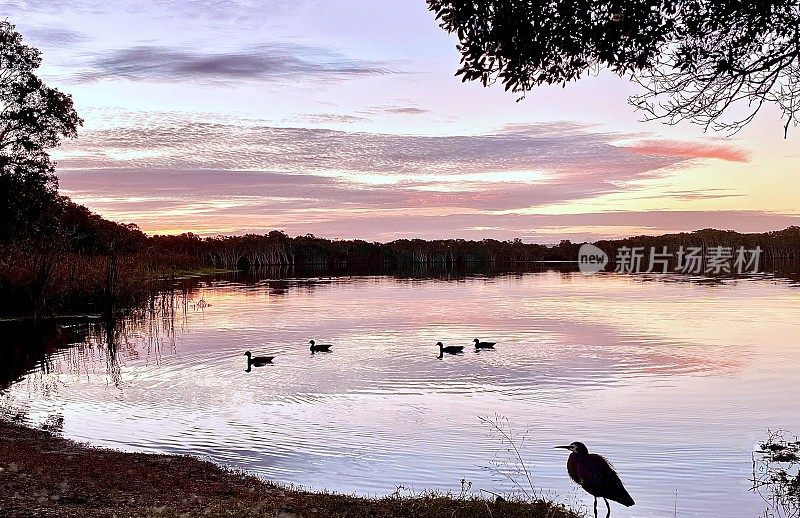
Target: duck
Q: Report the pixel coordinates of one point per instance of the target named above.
(484, 345)
(450, 349)
(257, 361)
(315, 347)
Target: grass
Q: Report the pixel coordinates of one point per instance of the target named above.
(776, 473)
(42, 474)
(70, 283)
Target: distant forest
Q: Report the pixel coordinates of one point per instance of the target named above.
(73, 229)
(278, 249)
(62, 257)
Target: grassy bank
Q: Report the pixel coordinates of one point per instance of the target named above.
(71, 283)
(44, 475)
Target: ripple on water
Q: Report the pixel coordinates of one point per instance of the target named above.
(673, 381)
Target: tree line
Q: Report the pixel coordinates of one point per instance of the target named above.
(83, 261)
(278, 249)
(78, 260)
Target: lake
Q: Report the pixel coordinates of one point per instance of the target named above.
(673, 379)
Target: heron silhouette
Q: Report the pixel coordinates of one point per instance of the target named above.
(595, 475)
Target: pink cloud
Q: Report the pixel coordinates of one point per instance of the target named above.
(688, 150)
(177, 177)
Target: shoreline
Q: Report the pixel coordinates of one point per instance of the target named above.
(42, 474)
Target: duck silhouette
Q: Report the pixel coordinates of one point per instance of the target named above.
(257, 361)
(319, 348)
(450, 349)
(484, 345)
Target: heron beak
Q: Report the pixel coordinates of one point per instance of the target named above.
(565, 447)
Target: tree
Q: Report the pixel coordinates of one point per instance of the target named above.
(703, 61)
(33, 119)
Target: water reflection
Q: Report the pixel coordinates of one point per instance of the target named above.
(28, 346)
(672, 379)
(36, 350)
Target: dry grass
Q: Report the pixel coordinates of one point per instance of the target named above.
(68, 282)
(776, 473)
(44, 475)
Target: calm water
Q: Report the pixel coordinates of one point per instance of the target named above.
(674, 381)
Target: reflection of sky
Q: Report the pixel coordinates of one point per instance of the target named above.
(674, 381)
(344, 119)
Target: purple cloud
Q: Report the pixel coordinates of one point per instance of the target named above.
(217, 176)
(406, 110)
(55, 37)
(267, 61)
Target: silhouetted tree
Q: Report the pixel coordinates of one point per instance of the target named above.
(33, 119)
(697, 60)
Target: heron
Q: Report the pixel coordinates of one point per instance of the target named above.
(596, 475)
(257, 361)
(315, 347)
(450, 349)
(484, 345)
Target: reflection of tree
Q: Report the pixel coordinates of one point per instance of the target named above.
(27, 346)
(775, 474)
(41, 351)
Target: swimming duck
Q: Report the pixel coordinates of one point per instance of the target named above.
(450, 349)
(484, 345)
(315, 347)
(257, 361)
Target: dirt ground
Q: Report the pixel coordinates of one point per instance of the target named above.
(45, 475)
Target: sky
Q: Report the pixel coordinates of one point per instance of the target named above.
(345, 120)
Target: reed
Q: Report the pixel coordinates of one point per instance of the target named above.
(776, 473)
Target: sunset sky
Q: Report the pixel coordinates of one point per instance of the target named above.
(343, 119)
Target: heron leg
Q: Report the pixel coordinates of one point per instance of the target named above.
(595, 507)
(608, 506)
